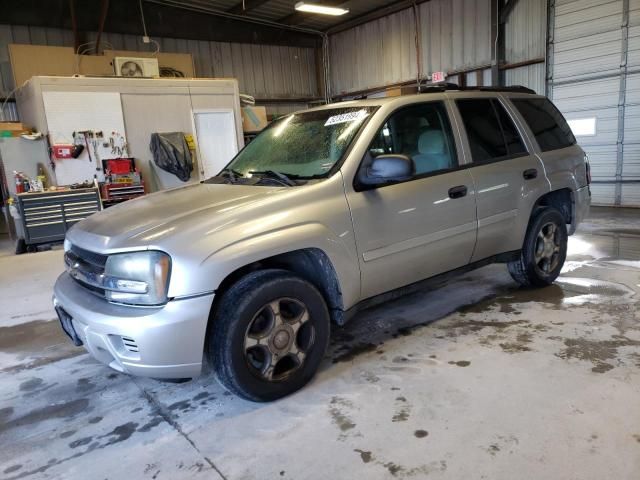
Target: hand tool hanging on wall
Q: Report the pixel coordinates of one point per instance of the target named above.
(50, 150)
(86, 142)
(95, 141)
(87, 136)
(78, 148)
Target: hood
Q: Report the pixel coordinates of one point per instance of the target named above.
(145, 221)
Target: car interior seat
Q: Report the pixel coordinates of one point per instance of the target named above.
(432, 154)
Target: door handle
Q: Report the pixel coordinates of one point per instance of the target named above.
(530, 174)
(458, 192)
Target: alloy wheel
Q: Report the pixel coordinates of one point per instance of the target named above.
(278, 339)
(547, 248)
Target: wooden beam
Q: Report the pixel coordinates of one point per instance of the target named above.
(367, 91)
(524, 63)
(245, 6)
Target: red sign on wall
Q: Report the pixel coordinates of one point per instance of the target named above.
(62, 151)
(437, 77)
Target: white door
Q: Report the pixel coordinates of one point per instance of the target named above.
(216, 138)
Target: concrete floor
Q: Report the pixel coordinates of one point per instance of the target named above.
(477, 379)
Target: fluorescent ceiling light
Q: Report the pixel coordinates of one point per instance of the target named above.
(322, 9)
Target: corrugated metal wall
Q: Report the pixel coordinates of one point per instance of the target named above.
(374, 54)
(531, 76)
(596, 74)
(630, 192)
(526, 39)
(264, 71)
(455, 35)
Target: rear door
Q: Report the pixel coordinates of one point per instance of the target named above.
(413, 230)
(508, 176)
(562, 158)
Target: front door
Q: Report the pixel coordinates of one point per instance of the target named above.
(427, 225)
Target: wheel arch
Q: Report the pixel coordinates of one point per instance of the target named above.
(312, 264)
(561, 199)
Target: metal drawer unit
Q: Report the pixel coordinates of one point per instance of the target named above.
(46, 216)
(115, 193)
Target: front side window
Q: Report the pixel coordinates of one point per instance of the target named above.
(491, 132)
(421, 132)
(546, 123)
(302, 145)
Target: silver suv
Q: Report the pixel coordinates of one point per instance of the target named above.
(328, 210)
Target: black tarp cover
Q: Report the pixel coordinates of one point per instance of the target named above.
(171, 154)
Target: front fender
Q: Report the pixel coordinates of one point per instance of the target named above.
(220, 264)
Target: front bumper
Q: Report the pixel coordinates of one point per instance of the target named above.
(159, 342)
(582, 205)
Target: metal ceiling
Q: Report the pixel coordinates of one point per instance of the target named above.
(265, 22)
(283, 11)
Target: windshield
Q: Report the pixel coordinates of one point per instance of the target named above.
(302, 145)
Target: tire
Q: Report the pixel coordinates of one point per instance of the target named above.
(543, 252)
(269, 334)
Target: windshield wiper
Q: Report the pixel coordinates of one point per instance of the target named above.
(278, 176)
(232, 174)
(308, 177)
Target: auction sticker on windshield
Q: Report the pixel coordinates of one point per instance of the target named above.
(346, 117)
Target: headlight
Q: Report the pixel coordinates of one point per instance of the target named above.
(140, 278)
(67, 245)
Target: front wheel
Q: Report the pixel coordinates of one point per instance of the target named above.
(544, 250)
(269, 335)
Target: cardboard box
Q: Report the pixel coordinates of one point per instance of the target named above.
(254, 119)
(13, 129)
(12, 126)
(399, 91)
(37, 60)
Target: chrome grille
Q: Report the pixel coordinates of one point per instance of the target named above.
(86, 268)
(92, 258)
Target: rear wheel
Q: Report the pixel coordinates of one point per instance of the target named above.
(270, 333)
(544, 250)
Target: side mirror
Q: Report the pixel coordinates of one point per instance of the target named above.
(387, 169)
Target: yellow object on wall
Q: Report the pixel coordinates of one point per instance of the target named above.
(190, 141)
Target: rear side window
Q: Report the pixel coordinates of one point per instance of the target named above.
(491, 132)
(546, 122)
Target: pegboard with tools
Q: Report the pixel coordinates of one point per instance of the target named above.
(99, 146)
(92, 124)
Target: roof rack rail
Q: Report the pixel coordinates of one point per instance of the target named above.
(443, 87)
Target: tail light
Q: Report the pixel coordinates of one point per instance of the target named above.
(588, 168)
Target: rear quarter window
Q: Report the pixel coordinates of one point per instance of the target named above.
(491, 133)
(546, 123)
